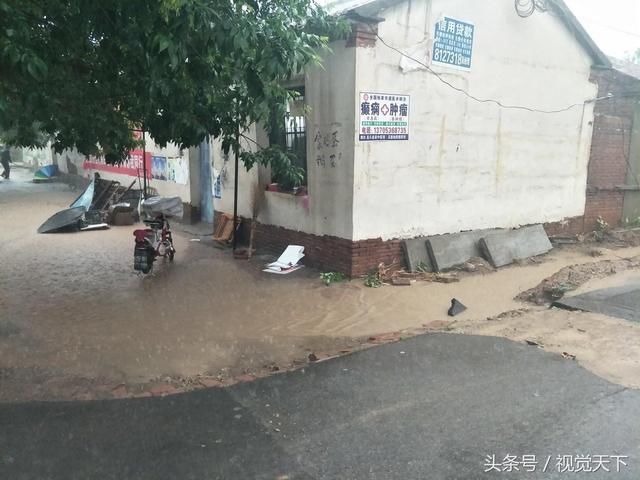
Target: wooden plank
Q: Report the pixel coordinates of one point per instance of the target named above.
(226, 233)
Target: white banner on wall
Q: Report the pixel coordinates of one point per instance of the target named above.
(178, 170)
(384, 116)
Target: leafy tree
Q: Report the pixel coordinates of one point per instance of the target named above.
(86, 73)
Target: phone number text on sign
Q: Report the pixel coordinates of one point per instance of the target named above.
(453, 43)
(383, 116)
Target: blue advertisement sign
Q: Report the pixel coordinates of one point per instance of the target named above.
(217, 187)
(159, 167)
(453, 43)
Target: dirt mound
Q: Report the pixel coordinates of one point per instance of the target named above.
(570, 278)
(609, 239)
(625, 238)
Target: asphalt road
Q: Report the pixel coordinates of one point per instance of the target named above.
(621, 302)
(431, 407)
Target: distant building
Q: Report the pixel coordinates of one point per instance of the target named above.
(624, 66)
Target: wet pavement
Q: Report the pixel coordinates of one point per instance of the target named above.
(77, 323)
(434, 406)
(620, 302)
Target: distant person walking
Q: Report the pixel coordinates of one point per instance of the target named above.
(5, 160)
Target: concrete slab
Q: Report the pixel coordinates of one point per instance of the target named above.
(506, 246)
(415, 253)
(621, 302)
(447, 251)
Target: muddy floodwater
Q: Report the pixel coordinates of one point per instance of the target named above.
(71, 306)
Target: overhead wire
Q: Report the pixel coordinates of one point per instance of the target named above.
(536, 5)
(598, 23)
(541, 5)
(629, 94)
(525, 8)
(499, 103)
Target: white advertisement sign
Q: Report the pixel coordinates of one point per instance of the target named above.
(384, 116)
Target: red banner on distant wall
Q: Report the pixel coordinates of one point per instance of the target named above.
(132, 166)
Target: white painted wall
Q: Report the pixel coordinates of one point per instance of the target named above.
(331, 94)
(164, 187)
(224, 166)
(469, 165)
(33, 158)
(327, 209)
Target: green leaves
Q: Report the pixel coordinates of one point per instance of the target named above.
(163, 43)
(36, 68)
(86, 72)
(283, 165)
(332, 277)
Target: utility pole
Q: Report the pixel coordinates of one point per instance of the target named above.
(144, 164)
(235, 190)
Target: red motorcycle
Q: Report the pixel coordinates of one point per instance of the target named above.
(156, 240)
(151, 243)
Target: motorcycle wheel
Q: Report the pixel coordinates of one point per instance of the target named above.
(150, 259)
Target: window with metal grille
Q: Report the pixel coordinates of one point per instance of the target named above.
(290, 132)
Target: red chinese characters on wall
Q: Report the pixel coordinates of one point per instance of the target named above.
(132, 166)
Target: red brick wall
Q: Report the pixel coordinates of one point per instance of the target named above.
(368, 254)
(323, 252)
(332, 253)
(569, 226)
(608, 162)
(362, 35)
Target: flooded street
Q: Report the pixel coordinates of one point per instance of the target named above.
(75, 317)
(72, 305)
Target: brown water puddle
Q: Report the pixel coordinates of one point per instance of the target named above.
(73, 308)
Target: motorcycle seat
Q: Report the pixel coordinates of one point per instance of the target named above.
(154, 223)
